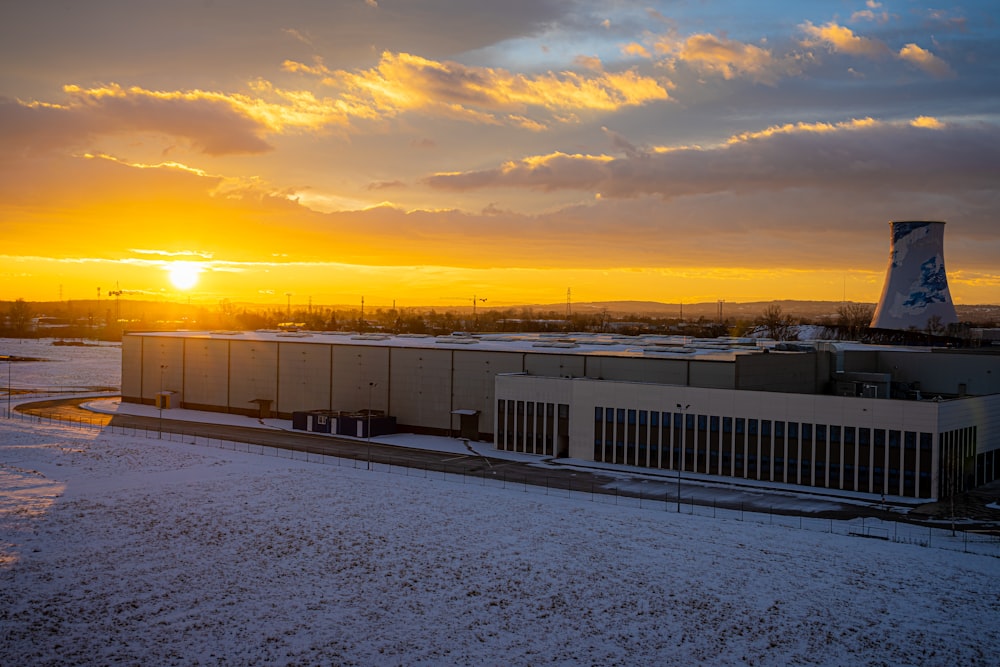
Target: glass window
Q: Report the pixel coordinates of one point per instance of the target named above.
(807, 431)
(834, 435)
(740, 425)
(631, 417)
(598, 414)
(793, 430)
(910, 440)
(621, 415)
(727, 424)
(654, 419)
(702, 422)
(926, 441)
(713, 424)
(779, 429)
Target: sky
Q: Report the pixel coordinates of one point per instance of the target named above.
(435, 152)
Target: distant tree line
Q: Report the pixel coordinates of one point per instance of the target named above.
(107, 319)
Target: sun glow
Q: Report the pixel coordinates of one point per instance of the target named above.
(183, 275)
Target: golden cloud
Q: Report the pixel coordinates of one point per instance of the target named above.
(841, 39)
(925, 60)
(403, 82)
(729, 58)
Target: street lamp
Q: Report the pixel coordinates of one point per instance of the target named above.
(159, 400)
(368, 433)
(680, 457)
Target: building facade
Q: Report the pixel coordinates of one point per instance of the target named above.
(875, 420)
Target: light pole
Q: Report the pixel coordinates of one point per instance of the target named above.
(680, 453)
(159, 401)
(9, 362)
(368, 432)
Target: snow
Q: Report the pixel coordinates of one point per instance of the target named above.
(121, 549)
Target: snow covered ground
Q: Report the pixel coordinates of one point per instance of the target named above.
(123, 550)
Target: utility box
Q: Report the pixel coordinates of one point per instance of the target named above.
(163, 400)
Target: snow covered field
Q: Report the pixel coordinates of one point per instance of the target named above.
(124, 550)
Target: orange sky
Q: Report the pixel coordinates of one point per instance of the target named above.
(423, 153)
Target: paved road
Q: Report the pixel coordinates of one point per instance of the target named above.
(544, 473)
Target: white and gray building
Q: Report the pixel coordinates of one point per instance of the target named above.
(907, 422)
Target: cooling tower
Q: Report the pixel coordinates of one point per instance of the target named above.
(916, 286)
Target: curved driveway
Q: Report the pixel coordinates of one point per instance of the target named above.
(543, 473)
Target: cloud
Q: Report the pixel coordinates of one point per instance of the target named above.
(925, 60)
(924, 155)
(403, 83)
(211, 123)
(712, 54)
(843, 40)
(870, 13)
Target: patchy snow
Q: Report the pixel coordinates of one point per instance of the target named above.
(119, 549)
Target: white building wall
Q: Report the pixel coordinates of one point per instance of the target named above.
(253, 373)
(474, 380)
(206, 372)
(355, 367)
(163, 368)
(303, 377)
(132, 367)
(420, 381)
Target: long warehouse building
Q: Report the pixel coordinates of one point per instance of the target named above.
(906, 422)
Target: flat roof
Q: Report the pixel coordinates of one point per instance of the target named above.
(645, 346)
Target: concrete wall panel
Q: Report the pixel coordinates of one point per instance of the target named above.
(303, 377)
(132, 367)
(421, 387)
(253, 373)
(355, 369)
(206, 372)
(474, 382)
(163, 368)
(554, 365)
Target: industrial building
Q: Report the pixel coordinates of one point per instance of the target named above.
(907, 422)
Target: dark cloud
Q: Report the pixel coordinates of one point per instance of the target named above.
(210, 125)
(879, 156)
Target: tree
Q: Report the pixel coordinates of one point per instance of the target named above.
(854, 318)
(776, 323)
(20, 317)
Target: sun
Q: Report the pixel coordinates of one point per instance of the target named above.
(183, 275)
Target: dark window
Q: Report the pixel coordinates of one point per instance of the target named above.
(727, 424)
(598, 414)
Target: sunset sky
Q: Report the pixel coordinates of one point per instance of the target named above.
(429, 151)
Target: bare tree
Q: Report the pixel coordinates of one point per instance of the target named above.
(854, 318)
(776, 323)
(20, 317)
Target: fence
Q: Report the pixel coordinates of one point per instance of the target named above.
(986, 544)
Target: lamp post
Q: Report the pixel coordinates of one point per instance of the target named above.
(680, 457)
(368, 432)
(159, 401)
(9, 362)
